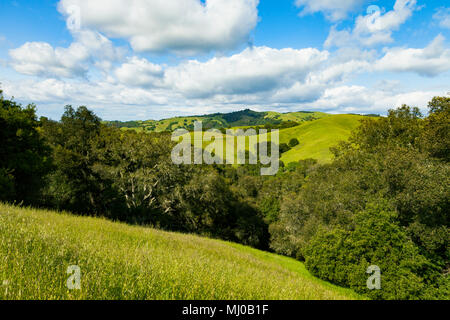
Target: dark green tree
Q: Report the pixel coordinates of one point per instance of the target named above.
(75, 185)
(293, 142)
(436, 137)
(24, 156)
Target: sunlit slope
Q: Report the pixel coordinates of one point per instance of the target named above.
(296, 116)
(315, 137)
(118, 261)
(318, 136)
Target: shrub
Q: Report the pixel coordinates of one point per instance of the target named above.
(293, 143)
(284, 148)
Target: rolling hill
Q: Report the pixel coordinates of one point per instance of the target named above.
(317, 132)
(219, 120)
(119, 261)
(317, 137)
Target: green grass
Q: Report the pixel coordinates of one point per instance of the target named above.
(317, 137)
(119, 261)
(296, 116)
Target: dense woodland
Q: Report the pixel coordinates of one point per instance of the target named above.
(384, 200)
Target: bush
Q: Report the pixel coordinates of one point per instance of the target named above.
(284, 148)
(293, 143)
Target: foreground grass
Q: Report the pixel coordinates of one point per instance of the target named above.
(118, 261)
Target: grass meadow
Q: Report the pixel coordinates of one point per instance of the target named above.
(120, 261)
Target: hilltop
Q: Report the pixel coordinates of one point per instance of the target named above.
(220, 120)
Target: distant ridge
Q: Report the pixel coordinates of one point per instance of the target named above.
(241, 118)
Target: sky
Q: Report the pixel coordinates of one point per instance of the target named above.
(154, 59)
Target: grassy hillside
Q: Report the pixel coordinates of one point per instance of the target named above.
(118, 261)
(315, 137)
(316, 132)
(296, 116)
(318, 136)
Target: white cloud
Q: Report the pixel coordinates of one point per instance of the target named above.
(139, 73)
(184, 26)
(41, 59)
(443, 17)
(319, 90)
(260, 77)
(429, 61)
(259, 69)
(375, 28)
(332, 9)
(83, 93)
(360, 99)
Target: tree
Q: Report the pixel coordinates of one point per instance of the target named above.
(343, 257)
(75, 185)
(294, 142)
(284, 148)
(436, 137)
(24, 156)
(402, 127)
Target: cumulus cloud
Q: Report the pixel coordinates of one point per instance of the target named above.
(260, 77)
(82, 93)
(442, 16)
(183, 26)
(256, 76)
(360, 99)
(254, 70)
(429, 61)
(332, 9)
(41, 59)
(374, 28)
(139, 73)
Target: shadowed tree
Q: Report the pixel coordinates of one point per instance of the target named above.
(24, 157)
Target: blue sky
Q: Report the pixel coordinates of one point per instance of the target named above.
(146, 59)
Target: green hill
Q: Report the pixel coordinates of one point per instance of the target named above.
(316, 131)
(219, 120)
(315, 137)
(119, 261)
(318, 136)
